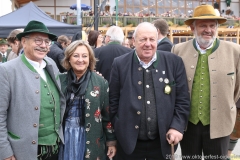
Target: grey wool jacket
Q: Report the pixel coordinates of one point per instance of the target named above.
(20, 108)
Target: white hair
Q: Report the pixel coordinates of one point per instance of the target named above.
(116, 34)
(146, 25)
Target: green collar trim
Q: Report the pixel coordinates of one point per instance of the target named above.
(214, 48)
(25, 61)
(113, 42)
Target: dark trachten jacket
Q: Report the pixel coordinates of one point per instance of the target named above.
(126, 102)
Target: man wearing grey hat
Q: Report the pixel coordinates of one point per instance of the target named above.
(212, 68)
(3, 50)
(31, 101)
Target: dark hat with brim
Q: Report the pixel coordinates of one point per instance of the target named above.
(36, 27)
(3, 41)
(205, 12)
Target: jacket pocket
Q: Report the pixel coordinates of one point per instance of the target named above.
(13, 136)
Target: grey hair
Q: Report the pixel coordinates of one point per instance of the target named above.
(144, 24)
(116, 34)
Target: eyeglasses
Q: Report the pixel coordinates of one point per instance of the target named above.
(39, 41)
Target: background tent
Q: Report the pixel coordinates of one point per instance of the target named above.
(21, 17)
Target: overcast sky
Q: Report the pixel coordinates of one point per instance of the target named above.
(5, 7)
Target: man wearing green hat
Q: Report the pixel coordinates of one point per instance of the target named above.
(3, 50)
(212, 68)
(31, 101)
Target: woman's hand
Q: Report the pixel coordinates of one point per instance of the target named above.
(111, 151)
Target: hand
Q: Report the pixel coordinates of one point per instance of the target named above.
(100, 74)
(173, 136)
(10, 158)
(111, 151)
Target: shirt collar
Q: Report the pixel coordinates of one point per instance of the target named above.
(160, 39)
(203, 51)
(36, 64)
(143, 64)
(4, 53)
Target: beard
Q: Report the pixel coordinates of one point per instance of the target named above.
(204, 42)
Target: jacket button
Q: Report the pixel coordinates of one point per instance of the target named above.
(87, 115)
(36, 91)
(33, 142)
(136, 127)
(36, 77)
(138, 112)
(35, 125)
(36, 108)
(192, 67)
(139, 68)
(189, 79)
(139, 82)
(87, 142)
(139, 97)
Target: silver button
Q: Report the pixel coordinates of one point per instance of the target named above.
(189, 79)
(87, 115)
(45, 86)
(87, 142)
(36, 77)
(48, 93)
(192, 67)
(148, 102)
(156, 70)
(35, 125)
(33, 142)
(147, 86)
(200, 102)
(139, 68)
(147, 70)
(139, 82)
(200, 96)
(149, 119)
(149, 133)
(201, 90)
(201, 78)
(36, 91)
(139, 97)
(138, 112)
(200, 113)
(136, 127)
(36, 108)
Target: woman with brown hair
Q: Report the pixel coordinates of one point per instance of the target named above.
(95, 39)
(87, 127)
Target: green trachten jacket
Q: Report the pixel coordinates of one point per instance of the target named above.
(97, 120)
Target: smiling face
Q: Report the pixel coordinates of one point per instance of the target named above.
(205, 32)
(32, 50)
(145, 42)
(79, 60)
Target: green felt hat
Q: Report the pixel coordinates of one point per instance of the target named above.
(36, 27)
(3, 41)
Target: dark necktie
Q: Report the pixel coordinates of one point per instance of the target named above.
(4, 59)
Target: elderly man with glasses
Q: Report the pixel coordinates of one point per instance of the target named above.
(31, 101)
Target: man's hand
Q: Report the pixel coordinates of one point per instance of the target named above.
(173, 136)
(111, 151)
(11, 158)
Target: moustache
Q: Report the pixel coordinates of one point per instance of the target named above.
(208, 34)
(41, 49)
